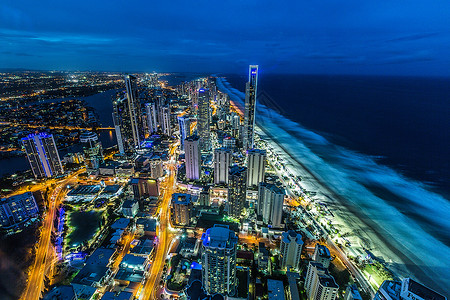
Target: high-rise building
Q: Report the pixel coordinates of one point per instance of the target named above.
(122, 126)
(222, 162)
(204, 197)
(184, 122)
(42, 155)
(250, 107)
(270, 204)
(291, 249)
(203, 120)
(182, 207)
(219, 260)
(192, 157)
(237, 190)
(92, 149)
(319, 284)
(229, 142)
(152, 120)
(256, 164)
(17, 209)
(144, 187)
(134, 110)
(407, 289)
(322, 255)
(166, 128)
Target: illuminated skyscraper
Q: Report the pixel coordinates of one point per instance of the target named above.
(122, 126)
(219, 260)
(250, 107)
(134, 110)
(166, 127)
(222, 161)
(93, 150)
(237, 190)
(256, 164)
(42, 155)
(152, 121)
(203, 119)
(193, 157)
(270, 203)
(184, 122)
(291, 249)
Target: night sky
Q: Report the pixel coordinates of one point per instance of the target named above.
(327, 37)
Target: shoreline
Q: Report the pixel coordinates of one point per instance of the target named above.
(352, 218)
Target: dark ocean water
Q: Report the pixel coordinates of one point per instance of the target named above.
(402, 122)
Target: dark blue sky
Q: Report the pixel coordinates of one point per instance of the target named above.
(336, 37)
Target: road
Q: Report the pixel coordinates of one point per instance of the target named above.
(44, 252)
(165, 238)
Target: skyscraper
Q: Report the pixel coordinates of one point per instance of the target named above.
(193, 157)
(222, 161)
(182, 207)
(166, 127)
(219, 260)
(93, 150)
(122, 126)
(256, 164)
(319, 284)
(184, 122)
(152, 121)
(250, 106)
(42, 155)
(270, 203)
(237, 190)
(406, 289)
(203, 119)
(134, 110)
(291, 249)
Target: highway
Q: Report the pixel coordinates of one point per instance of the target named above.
(44, 251)
(165, 237)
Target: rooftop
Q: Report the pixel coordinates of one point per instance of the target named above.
(290, 236)
(219, 236)
(179, 198)
(275, 289)
(100, 257)
(419, 290)
(16, 197)
(323, 250)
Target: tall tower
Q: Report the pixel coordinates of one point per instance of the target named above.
(222, 161)
(203, 119)
(250, 106)
(152, 121)
(270, 203)
(256, 164)
(193, 157)
(122, 126)
(93, 150)
(184, 122)
(219, 260)
(237, 190)
(166, 128)
(291, 249)
(134, 109)
(42, 155)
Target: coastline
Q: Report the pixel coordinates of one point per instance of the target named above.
(353, 217)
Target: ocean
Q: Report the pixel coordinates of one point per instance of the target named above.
(380, 147)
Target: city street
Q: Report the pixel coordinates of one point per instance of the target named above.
(45, 250)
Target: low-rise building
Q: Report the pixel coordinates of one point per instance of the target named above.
(17, 209)
(130, 208)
